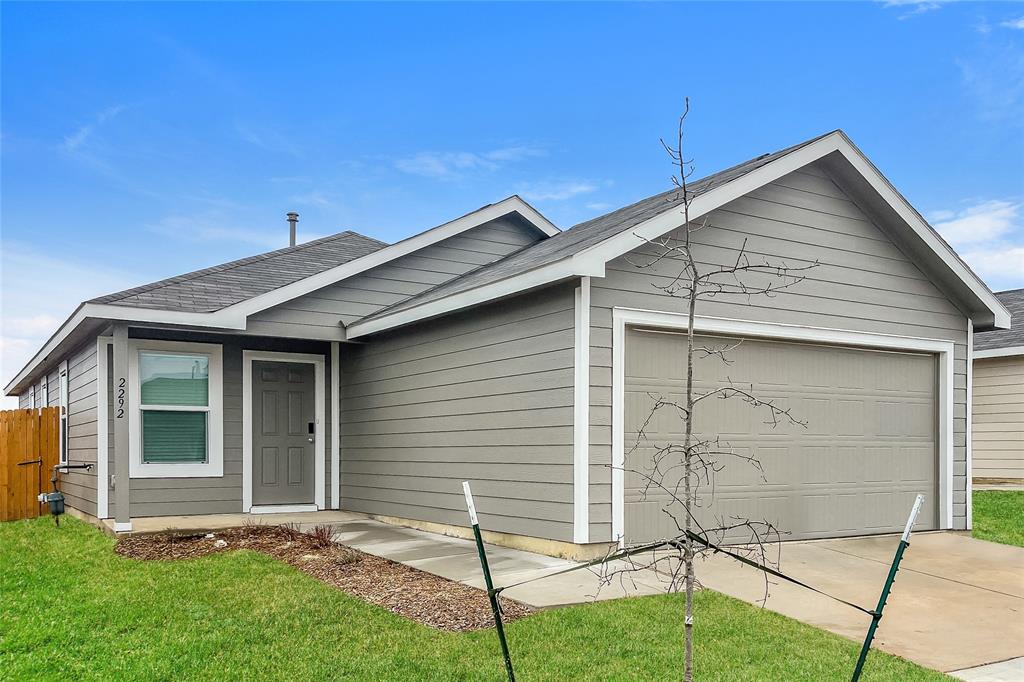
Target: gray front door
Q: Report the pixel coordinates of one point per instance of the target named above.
(282, 433)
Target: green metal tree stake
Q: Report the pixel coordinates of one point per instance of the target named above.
(491, 594)
(876, 616)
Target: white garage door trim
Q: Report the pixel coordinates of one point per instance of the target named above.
(621, 317)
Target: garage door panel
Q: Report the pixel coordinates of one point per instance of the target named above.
(869, 445)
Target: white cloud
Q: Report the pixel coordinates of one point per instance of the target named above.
(78, 138)
(915, 7)
(448, 165)
(982, 222)
(999, 264)
(556, 191)
(212, 226)
(989, 235)
(1013, 23)
(598, 206)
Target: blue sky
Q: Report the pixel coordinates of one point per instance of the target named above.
(142, 141)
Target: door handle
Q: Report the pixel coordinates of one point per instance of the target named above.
(310, 429)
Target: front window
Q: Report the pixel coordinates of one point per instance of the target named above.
(176, 416)
(63, 395)
(174, 391)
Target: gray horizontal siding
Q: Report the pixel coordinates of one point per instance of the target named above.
(223, 494)
(79, 486)
(319, 315)
(485, 395)
(863, 282)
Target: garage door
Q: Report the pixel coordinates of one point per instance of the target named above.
(868, 447)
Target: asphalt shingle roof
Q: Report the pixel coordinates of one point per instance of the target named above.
(583, 235)
(1005, 338)
(220, 286)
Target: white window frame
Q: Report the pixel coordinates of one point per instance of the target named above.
(32, 397)
(63, 389)
(44, 390)
(213, 467)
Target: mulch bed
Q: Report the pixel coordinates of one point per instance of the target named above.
(406, 591)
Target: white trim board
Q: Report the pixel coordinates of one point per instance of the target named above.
(335, 425)
(103, 344)
(1007, 352)
(319, 449)
(591, 261)
(234, 316)
(282, 508)
(970, 424)
(581, 415)
(621, 317)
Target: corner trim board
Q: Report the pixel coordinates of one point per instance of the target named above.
(335, 425)
(621, 317)
(102, 416)
(581, 415)
(248, 356)
(970, 425)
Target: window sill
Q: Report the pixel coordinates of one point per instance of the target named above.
(209, 470)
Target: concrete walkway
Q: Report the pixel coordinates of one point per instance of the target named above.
(1004, 671)
(957, 604)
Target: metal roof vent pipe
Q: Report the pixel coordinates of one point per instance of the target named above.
(293, 220)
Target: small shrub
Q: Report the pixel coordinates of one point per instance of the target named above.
(291, 531)
(322, 536)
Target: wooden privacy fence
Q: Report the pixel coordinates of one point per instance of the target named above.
(27, 435)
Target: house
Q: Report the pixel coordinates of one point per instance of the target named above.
(997, 412)
(346, 373)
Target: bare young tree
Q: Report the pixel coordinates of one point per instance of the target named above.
(678, 471)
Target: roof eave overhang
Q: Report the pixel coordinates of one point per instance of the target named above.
(91, 315)
(1007, 352)
(234, 317)
(964, 285)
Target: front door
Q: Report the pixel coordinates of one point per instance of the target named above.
(283, 435)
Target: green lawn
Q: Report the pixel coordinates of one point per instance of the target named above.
(72, 609)
(999, 516)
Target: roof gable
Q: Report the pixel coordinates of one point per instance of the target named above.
(585, 249)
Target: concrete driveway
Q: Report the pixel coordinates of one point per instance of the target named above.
(957, 602)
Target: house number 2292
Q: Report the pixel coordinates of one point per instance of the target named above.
(121, 383)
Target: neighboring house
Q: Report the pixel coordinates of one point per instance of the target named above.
(347, 373)
(998, 407)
